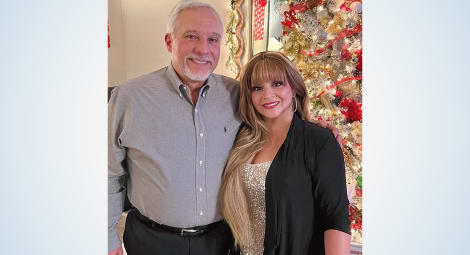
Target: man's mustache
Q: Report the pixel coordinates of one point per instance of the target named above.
(207, 58)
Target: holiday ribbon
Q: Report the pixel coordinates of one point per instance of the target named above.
(341, 35)
(345, 79)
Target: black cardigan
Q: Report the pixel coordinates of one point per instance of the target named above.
(305, 191)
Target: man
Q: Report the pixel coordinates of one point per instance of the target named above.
(170, 132)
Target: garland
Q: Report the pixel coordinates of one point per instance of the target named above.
(234, 39)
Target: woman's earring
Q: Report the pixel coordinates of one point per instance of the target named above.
(295, 99)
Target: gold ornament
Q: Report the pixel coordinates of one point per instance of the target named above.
(336, 25)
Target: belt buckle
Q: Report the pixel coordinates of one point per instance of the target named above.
(188, 230)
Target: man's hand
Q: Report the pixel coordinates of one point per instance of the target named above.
(333, 129)
(117, 251)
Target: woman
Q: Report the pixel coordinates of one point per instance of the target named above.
(283, 188)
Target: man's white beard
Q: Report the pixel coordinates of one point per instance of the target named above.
(196, 77)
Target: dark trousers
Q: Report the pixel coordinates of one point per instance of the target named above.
(142, 239)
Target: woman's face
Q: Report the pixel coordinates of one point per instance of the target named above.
(272, 99)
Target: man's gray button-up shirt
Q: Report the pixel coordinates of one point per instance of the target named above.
(173, 151)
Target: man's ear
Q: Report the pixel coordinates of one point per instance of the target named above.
(168, 41)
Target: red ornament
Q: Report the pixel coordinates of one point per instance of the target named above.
(353, 110)
(359, 59)
(289, 17)
(338, 93)
(344, 7)
(358, 192)
(345, 54)
(359, 146)
(355, 217)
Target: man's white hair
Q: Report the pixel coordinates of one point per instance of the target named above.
(186, 4)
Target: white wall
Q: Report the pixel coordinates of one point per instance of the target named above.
(137, 29)
(116, 61)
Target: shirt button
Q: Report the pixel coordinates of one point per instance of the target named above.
(201, 134)
(200, 163)
(200, 189)
(201, 213)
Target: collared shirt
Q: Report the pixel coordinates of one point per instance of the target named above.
(173, 151)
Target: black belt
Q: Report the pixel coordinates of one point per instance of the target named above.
(194, 231)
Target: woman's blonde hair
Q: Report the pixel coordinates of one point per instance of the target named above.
(263, 67)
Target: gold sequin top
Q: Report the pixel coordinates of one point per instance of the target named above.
(254, 179)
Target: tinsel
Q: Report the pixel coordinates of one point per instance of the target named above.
(324, 41)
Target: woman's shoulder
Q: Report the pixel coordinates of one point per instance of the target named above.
(316, 132)
(313, 136)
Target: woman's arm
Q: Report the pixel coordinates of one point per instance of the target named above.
(329, 190)
(337, 242)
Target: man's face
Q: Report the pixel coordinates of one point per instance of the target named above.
(195, 44)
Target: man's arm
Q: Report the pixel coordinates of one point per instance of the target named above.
(115, 207)
(116, 171)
